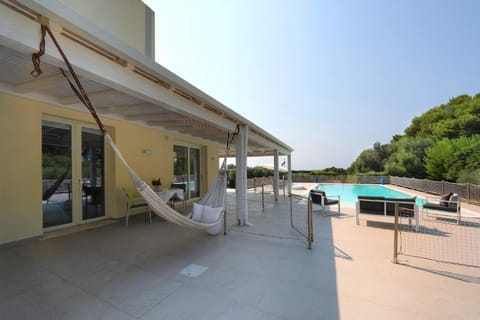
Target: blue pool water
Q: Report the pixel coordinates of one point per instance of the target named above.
(349, 192)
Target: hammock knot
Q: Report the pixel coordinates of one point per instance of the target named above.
(37, 71)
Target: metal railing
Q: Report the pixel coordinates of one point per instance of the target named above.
(440, 238)
(308, 234)
(339, 179)
(259, 181)
(467, 191)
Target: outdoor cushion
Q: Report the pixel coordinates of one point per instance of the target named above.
(436, 206)
(197, 212)
(215, 229)
(376, 205)
(317, 195)
(406, 206)
(371, 204)
(445, 198)
(453, 201)
(211, 215)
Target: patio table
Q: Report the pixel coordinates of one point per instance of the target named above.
(169, 195)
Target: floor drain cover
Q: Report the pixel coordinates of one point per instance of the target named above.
(193, 270)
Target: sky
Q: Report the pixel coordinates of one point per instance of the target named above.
(328, 78)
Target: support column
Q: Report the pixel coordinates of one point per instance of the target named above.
(275, 174)
(289, 175)
(241, 185)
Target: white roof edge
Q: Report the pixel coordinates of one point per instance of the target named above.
(58, 12)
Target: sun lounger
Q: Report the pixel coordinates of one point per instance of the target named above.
(320, 198)
(448, 203)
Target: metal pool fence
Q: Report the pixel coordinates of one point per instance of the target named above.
(440, 238)
(467, 191)
(261, 206)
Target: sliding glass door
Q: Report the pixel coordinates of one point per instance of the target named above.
(93, 174)
(73, 173)
(56, 174)
(194, 172)
(186, 170)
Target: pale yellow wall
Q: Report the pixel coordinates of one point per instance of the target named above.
(20, 162)
(125, 19)
(20, 170)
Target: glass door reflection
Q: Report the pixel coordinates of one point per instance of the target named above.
(93, 174)
(56, 174)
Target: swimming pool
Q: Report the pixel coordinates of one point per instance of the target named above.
(349, 192)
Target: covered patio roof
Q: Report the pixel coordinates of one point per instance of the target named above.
(122, 83)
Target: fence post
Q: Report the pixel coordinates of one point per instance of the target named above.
(225, 221)
(310, 223)
(395, 235)
(468, 192)
(291, 210)
(263, 198)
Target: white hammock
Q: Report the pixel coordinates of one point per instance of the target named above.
(215, 197)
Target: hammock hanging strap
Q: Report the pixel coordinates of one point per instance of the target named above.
(79, 90)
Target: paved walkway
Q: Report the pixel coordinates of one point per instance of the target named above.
(161, 271)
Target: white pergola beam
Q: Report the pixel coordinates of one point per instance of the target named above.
(98, 96)
(267, 143)
(124, 80)
(144, 108)
(169, 124)
(155, 117)
(21, 32)
(37, 84)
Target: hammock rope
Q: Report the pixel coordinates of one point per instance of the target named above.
(214, 197)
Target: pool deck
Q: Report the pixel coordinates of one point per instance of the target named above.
(265, 271)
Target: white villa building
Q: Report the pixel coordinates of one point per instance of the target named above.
(56, 171)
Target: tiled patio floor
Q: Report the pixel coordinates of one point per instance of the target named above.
(259, 272)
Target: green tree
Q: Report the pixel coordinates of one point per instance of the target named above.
(370, 160)
(449, 159)
(468, 176)
(437, 159)
(459, 117)
(449, 133)
(406, 157)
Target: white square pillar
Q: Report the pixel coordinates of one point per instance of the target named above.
(241, 185)
(275, 174)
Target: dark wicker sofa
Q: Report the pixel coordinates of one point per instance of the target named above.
(386, 206)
